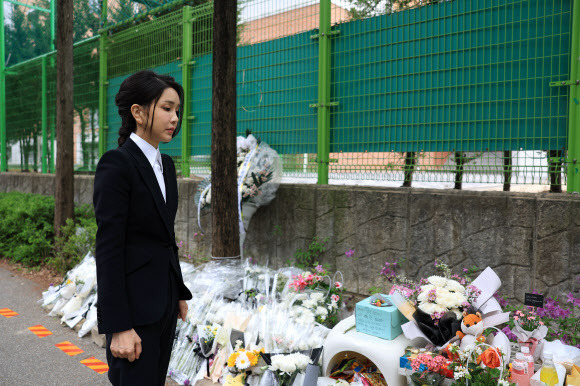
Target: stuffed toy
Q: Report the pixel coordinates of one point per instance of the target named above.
(471, 330)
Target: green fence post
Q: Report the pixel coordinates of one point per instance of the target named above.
(573, 174)
(3, 157)
(186, 56)
(324, 92)
(52, 65)
(103, 83)
(44, 116)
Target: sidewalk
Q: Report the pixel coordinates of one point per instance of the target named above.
(27, 359)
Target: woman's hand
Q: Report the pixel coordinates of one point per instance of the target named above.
(182, 310)
(126, 344)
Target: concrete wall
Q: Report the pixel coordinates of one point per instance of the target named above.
(531, 240)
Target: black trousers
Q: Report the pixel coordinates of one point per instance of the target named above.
(156, 343)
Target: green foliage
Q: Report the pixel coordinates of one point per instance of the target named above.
(26, 227)
(27, 33)
(362, 9)
(305, 258)
(375, 290)
(27, 232)
(481, 376)
(277, 230)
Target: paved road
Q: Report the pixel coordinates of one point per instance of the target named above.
(26, 359)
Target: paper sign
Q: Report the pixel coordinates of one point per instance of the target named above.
(534, 300)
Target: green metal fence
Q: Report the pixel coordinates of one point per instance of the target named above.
(31, 113)
(464, 91)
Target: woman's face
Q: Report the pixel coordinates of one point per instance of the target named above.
(165, 119)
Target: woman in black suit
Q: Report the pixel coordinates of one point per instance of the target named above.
(140, 287)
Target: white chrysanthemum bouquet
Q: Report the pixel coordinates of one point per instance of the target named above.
(287, 367)
(439, 295)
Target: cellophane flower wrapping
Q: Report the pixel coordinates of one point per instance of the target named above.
(72, 299)
(218, 304)
(259, 176)
(315, 297)
(523, 335)
(440, 301)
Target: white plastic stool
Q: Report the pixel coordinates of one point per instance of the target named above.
(383, 353)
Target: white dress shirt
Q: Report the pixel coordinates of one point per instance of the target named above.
(154, 157)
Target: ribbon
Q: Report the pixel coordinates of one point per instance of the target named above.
(241, 176)
(274, 286)
(531, 343)
(199, 352)
(203, 193)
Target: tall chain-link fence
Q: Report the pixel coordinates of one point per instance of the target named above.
(434, 92)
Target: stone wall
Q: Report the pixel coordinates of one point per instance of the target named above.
(531, 240)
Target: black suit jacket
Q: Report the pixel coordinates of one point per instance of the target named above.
(135, 243)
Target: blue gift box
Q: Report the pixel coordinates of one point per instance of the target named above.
(383, 322)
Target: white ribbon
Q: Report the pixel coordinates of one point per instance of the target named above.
(274, 286)
(241, 176)
(199, 205)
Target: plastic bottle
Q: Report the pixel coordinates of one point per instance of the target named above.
(520, 370)
(530, 359)
(548, 373)
(405, 306)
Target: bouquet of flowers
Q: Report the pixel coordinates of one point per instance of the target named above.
(317, 299)
(427, 369)
(436, 295)
(259, 176)
(243, 360)
(530, 330)
(439, 301)
(207, 336)
(482, 364)
(287, 367)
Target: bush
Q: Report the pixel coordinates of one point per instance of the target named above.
(27, 232)
(26, 227)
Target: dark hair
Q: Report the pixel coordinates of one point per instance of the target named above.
(143, 88)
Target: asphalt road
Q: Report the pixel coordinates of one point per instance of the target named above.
(26, 359)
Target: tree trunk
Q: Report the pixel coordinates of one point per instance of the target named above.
(507, 170)
(21, 153)
(555, 170)
(35, 151)
(410, 162)
(64, 179)
(224, 201)
(459, 161)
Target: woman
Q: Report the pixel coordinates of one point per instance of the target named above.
(140, 287)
